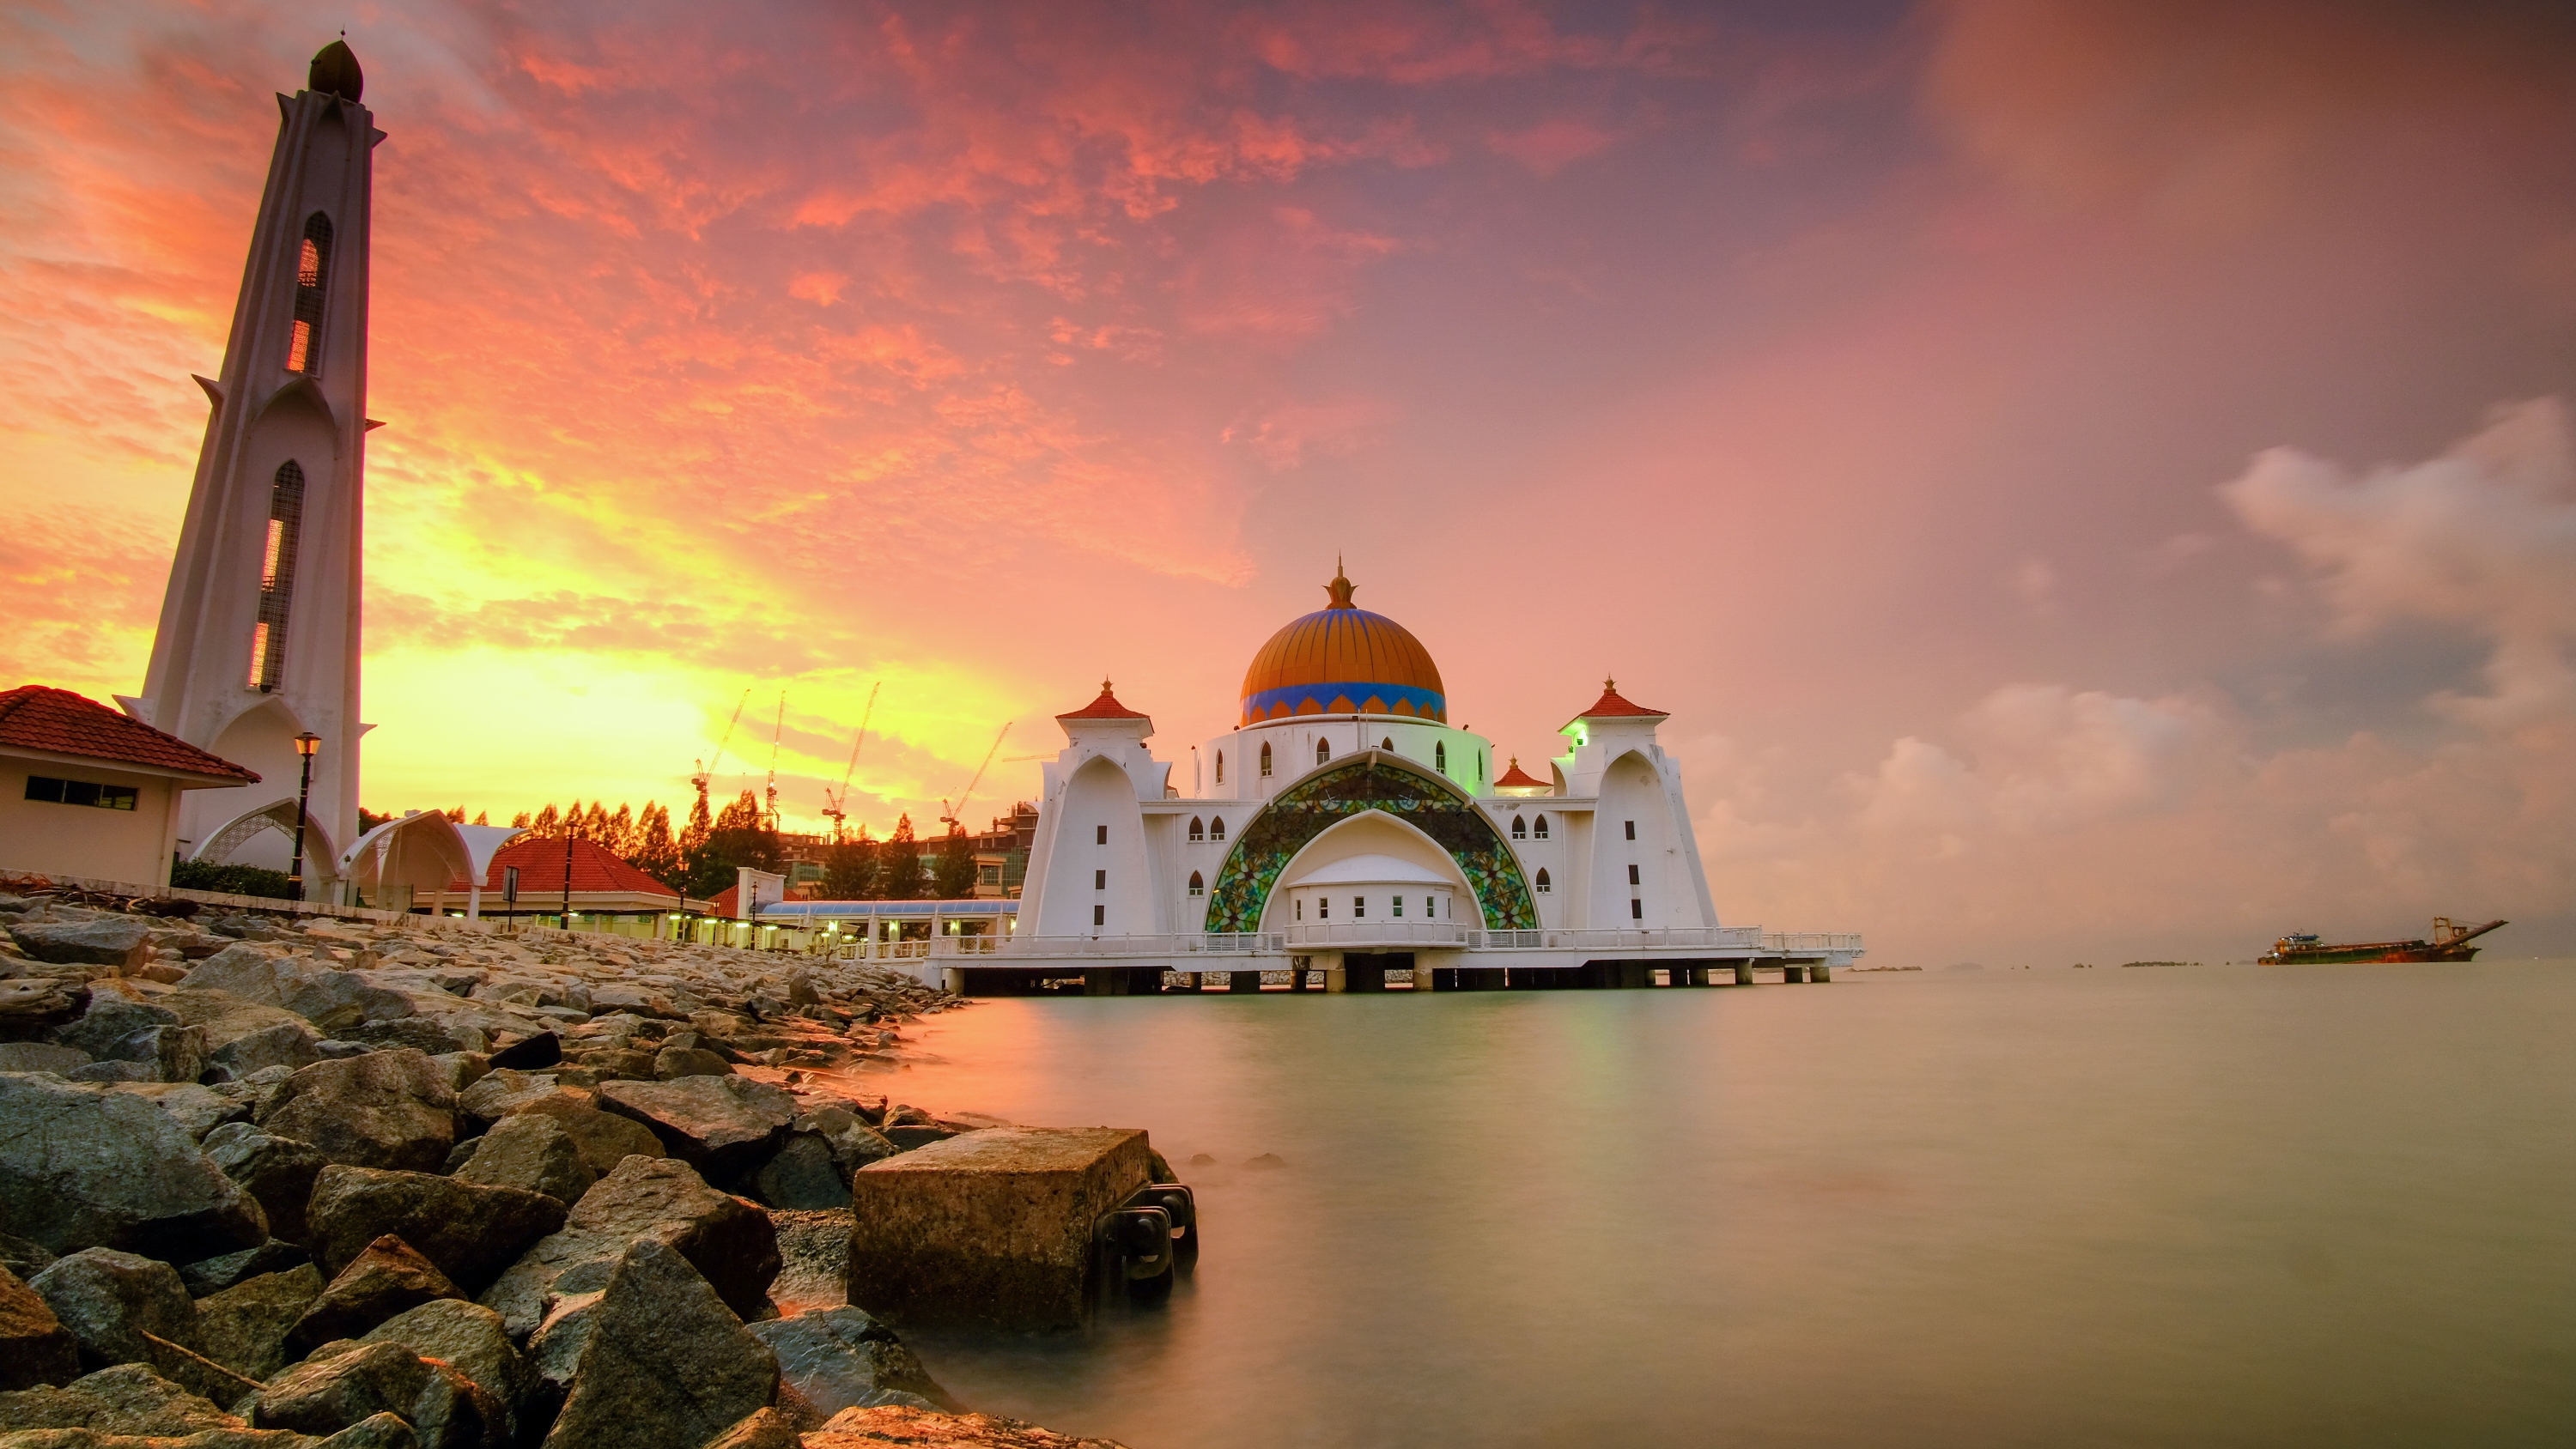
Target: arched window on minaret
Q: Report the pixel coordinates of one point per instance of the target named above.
(1198, 828)
(1265, 760)
(1216, 830)
(312, 273)
(277, 577)
(1323, 751)
(1440, 757)
(1543, 885)
(1220, 767)
(1198, 884)
(1538, 827)
(1520, 828)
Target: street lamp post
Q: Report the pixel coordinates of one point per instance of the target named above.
(305, 744)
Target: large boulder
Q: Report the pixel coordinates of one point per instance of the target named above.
(531, 1152)
(244, 1036)
(127, 1399)
(41, 1056)
(82, 1168)
(198, 1110)
(387, 1109)
(502, 1091)
(35, 1348)
(664, 1364)
(467, 1336)
(840, 1358)
(472, 1232)
(723, 1126)
(801, 1176)
(207, 1277)
(728, 1241)
(331, 999)
(104, 941)
(121, 1308)
(278, 1171)
(244, 1327)
(605, 1139)
(328, 1393)
(387, 1279)
(854, 1143)
(814, 1260)
(117, 1029)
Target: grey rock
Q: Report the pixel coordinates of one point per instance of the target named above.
(389, 1109)
(35, 1348)
(243, 1037)
(277, 1171)
(287, 1044)
(723, 1126)
(331, 999)
(118, 1071)
(814, 1260)
(244, 1327)
(605, 1140)
(673, 1062)
(326, 1394)
(427, 1034)
(198, 1110)
(454, 1412)
(462, 1069)
(854, 1143)
(376, 1431)
(471, 1231)
(532, 1152)
(109, 1301)
(801, 1176)
(386, 1279)
(116, 1029)
(500, 1092)
(664, 1364)
(332, 1049)
(210, 1276)
(466, 1335)
(841, 1358)
(82, 1168)
(38, 1056)
(730, 1242)
(24, 1257)
(126, 1399)
(104, 941)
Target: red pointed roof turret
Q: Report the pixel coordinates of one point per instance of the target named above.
(1105, 707)
(1516, 777)
(1611, 706)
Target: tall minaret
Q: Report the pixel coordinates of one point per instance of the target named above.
(259, 628)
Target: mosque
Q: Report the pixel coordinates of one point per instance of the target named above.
(1344, 828)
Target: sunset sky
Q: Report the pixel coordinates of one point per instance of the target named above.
(2088, 481)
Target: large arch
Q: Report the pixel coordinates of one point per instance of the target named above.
(1368, 833)
(1369, 780)
(226, 841)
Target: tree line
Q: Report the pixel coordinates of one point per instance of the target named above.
(702, 857)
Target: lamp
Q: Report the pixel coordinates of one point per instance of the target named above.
(305, 746)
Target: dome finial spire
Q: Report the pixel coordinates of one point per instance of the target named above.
(1339, 590)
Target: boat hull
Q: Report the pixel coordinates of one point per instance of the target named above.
(2338, 955)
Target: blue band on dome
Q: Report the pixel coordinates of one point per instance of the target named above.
(1427, 704)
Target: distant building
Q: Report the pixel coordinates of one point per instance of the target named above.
(85, 791)
(602, 883)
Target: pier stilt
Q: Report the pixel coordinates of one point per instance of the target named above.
(1743, 973)
(1820, 972)
(1243, 981)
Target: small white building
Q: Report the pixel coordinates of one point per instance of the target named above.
(87, 792)
(1344, 826)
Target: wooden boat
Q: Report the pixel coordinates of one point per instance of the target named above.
(2449, 943)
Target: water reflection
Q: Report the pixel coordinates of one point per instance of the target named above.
(2223, 1206)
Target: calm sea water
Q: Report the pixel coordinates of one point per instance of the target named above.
(2204, 1206)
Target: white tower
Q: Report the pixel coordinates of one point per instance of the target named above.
(258, 640)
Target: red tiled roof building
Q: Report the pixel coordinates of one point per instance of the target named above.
(87, 792)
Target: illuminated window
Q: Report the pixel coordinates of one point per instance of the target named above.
(1543, 886)
(1198, 828)
(1216, 830)
(1198, 884)
(1323, 751)
(1520, 829)
(277, 578)
(312, 275)
(1265, 761)
(1538, 827)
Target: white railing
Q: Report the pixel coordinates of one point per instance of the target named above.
(1686, 938)
(1377, 933)
(1191, 943)
(1811, 941)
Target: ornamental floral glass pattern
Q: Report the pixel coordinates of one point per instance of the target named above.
(1370, 781)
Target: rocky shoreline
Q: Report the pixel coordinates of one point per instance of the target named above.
(302, 1181)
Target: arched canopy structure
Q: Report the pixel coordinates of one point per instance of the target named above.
(1369, 780)
(421, 852)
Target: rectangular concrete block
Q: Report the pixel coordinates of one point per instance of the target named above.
(989, 1228)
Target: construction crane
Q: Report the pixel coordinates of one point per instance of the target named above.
(769, 816)
(836, 807)
(948, 813)
(707, 766)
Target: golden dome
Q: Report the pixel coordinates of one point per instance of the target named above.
(1343, 660)
(335, 71)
